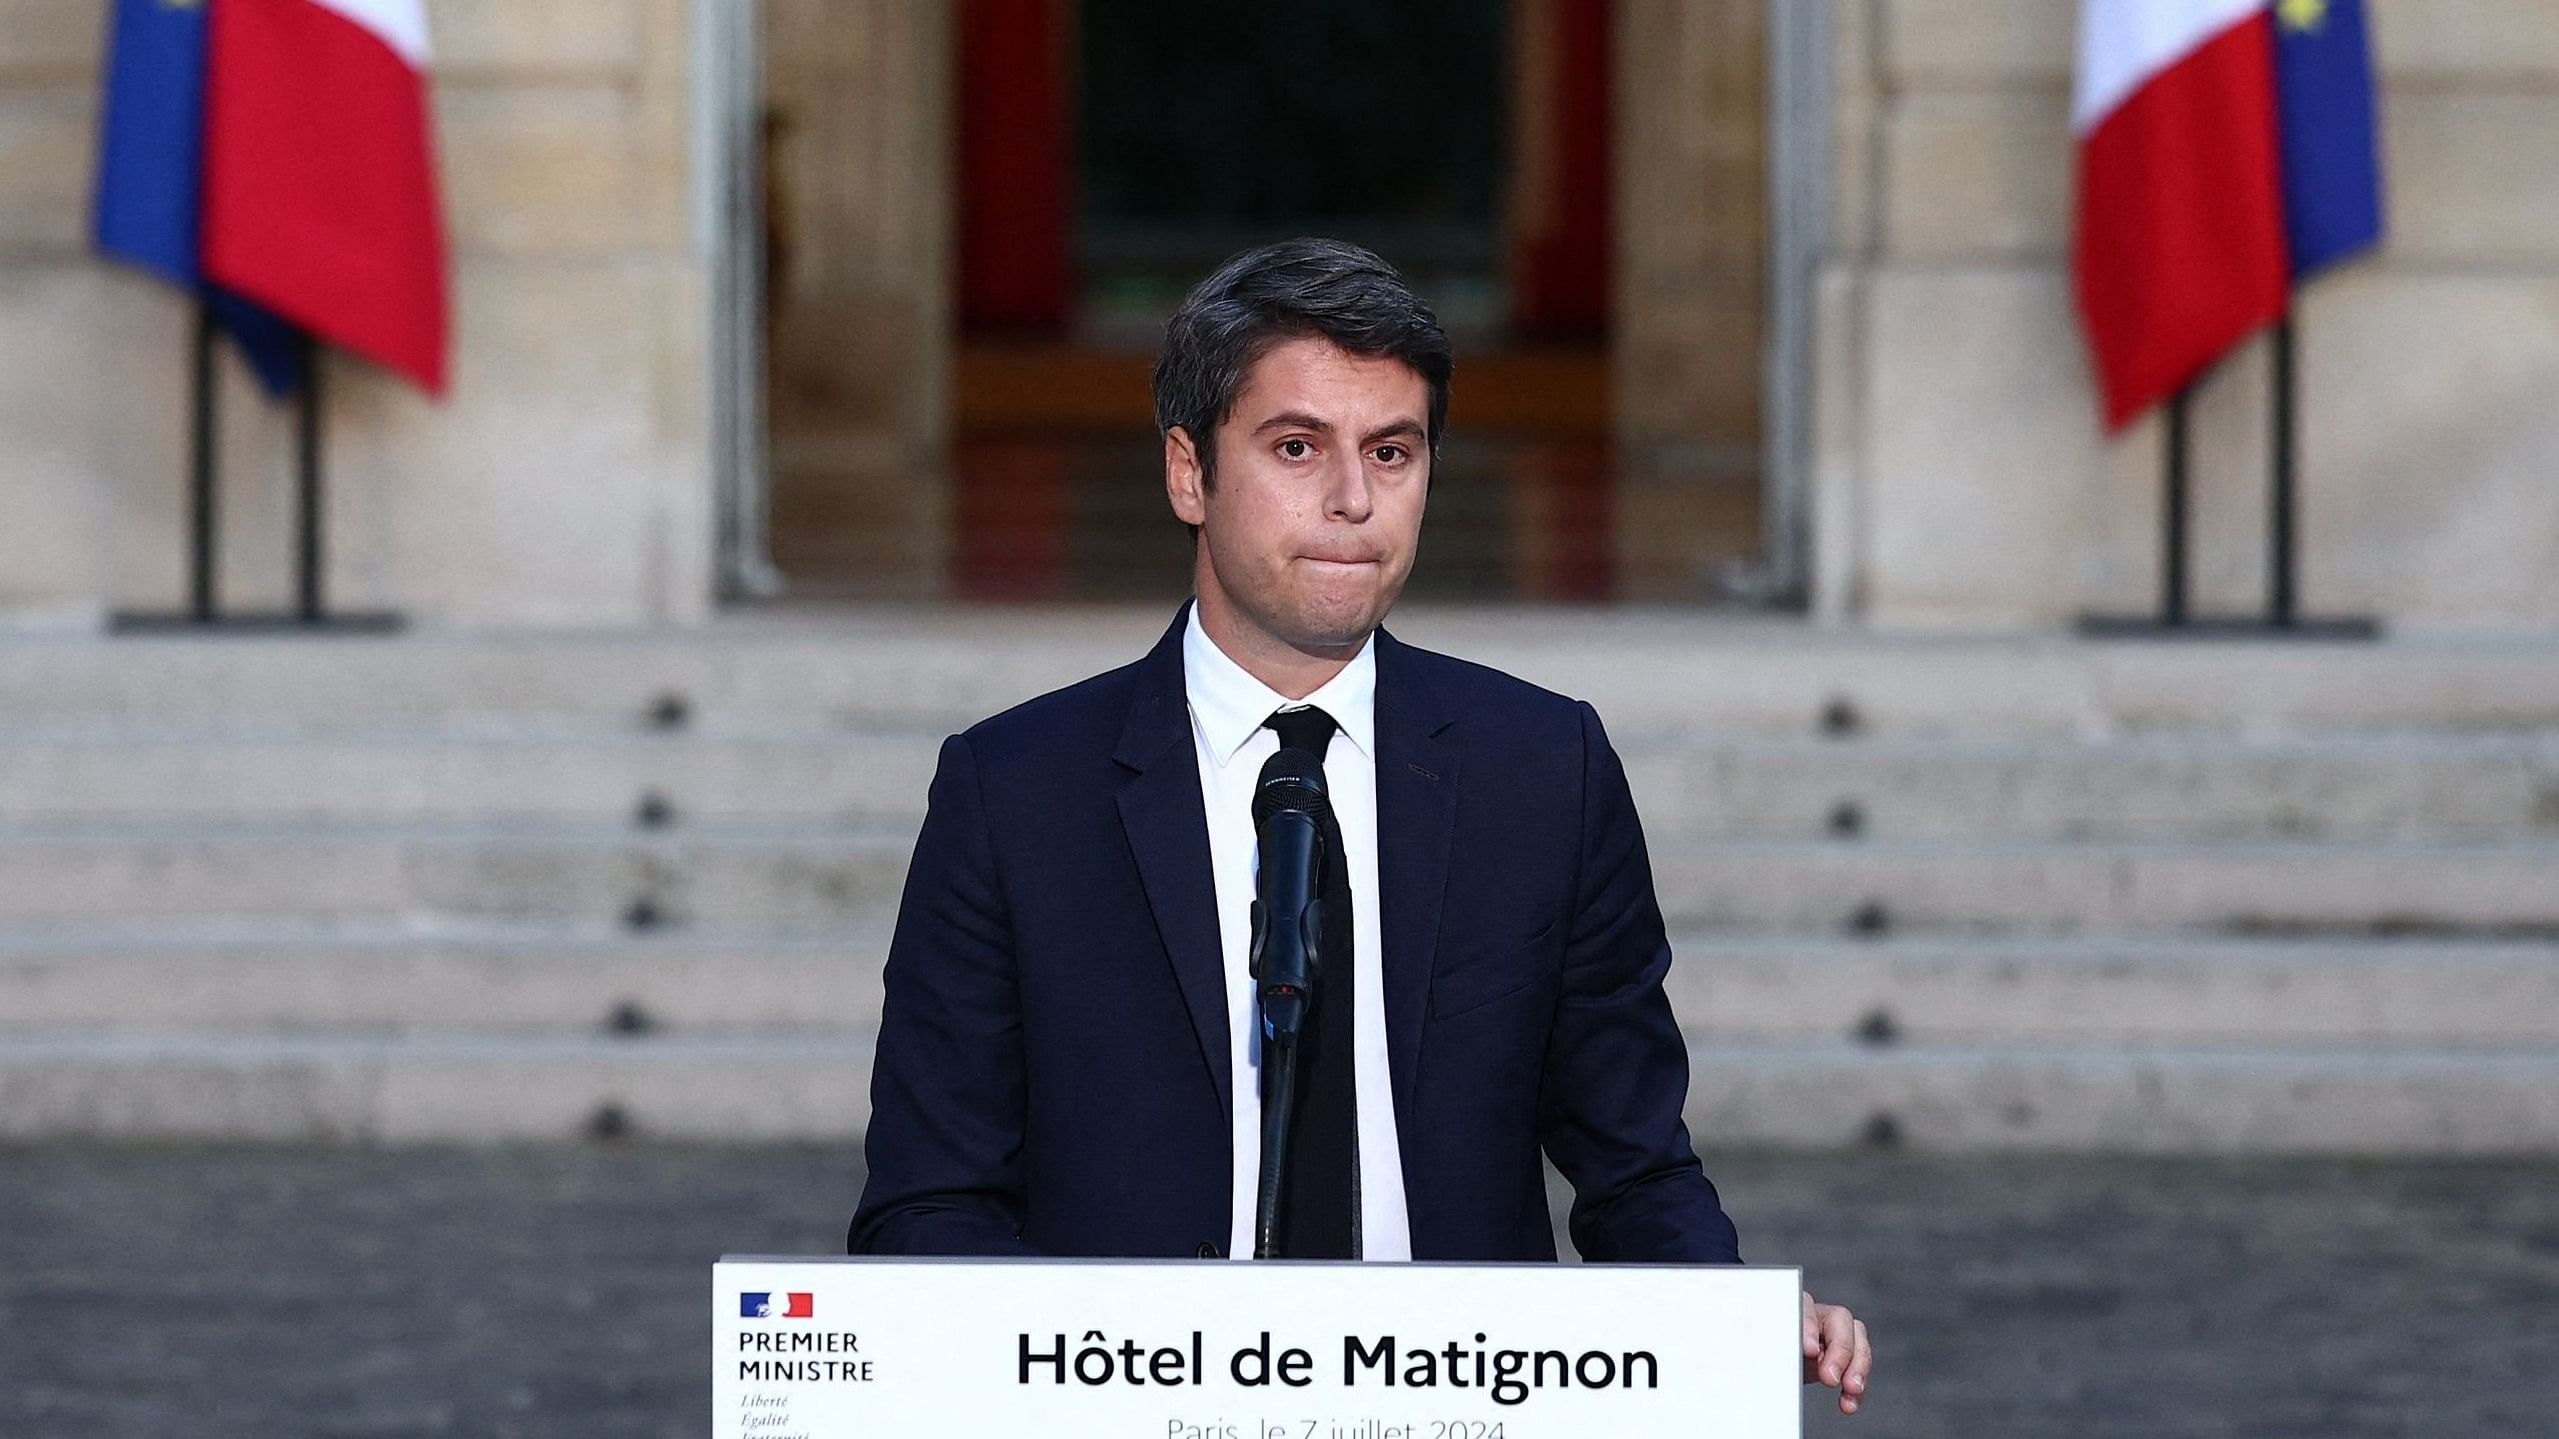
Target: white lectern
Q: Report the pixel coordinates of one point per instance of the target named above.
(1065, 1349)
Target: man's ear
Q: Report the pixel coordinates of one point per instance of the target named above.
(1182, 477)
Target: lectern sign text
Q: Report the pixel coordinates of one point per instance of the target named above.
(835, 1349)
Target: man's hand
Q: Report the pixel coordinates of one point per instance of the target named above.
(1836, 1352)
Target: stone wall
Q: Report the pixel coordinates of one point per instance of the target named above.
(1692, 221)
(566, 480)
(1961, 476)
(860, 341)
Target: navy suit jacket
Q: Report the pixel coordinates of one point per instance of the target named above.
(1053, 1073)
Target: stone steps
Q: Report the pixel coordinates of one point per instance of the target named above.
(1648, 672)
(2110, 991)
(794, 876)
(2145, 788)
(2141, 788)
(398, 779)
(2508, 889)
(766, 1087)
(1958, 892)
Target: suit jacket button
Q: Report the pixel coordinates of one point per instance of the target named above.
(1208, 1250)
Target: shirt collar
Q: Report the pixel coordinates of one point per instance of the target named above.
(1229, 705)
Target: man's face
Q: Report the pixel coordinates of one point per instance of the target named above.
(1311, 524)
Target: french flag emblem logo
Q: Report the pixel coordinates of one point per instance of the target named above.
(777, 1306)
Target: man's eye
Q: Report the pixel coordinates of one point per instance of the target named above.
(1295, 449)
(1390, 454)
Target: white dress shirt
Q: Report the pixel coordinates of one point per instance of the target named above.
(1228, 707)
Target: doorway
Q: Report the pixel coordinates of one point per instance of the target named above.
(978, 216)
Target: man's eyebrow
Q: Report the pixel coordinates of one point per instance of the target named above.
(1398, 430)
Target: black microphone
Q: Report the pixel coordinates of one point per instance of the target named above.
(1289, 808)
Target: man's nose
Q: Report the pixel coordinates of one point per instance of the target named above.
(1346, 492)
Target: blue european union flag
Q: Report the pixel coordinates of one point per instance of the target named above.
(2331, 144)
(151, 166)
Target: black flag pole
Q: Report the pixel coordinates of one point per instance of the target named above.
(2172, 520)
(2279, 482)
(308, 604)
(203, 436)
(2175, 616)
(311, 609)
(204, 526)
(310, 612)
(2283, 493)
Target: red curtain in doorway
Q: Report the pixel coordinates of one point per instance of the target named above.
(1016, 162)
(1561, 190)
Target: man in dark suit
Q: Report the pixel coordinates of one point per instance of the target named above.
(1069, 1056)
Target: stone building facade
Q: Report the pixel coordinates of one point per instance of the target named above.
(567, 480)
(1961, 476)
(1950, 469)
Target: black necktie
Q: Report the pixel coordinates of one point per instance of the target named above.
(1319, 1207)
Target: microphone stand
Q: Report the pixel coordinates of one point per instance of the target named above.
(1279, 1109)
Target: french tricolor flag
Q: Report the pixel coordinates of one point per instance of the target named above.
(2227, 150)
(278, 156)
(319, 174)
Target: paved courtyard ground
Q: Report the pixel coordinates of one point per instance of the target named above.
(565, 1291)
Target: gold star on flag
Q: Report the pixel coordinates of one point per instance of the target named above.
(2302, 14)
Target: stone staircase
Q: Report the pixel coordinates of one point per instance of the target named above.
(1944, 892)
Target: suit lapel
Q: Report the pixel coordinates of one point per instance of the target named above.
(1168, 833)
(1416, 820)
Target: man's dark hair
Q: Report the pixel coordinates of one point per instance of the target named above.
(1286, 291)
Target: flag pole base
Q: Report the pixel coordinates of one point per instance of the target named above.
(141, 622)
(2340, 629)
